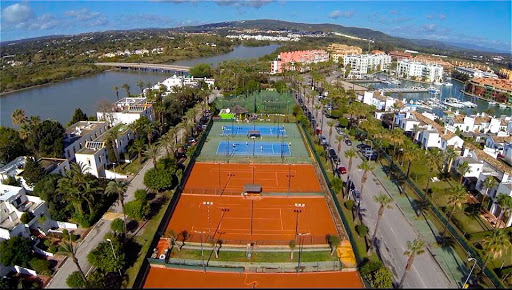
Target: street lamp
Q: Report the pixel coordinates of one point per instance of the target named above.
(297, 211)
(208, 203)
(472, 268)
(202, 252)
(115, 256)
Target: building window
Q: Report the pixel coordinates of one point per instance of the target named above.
(80, 145)
(99, 157)
(89, 161)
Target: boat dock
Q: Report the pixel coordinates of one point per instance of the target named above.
(404, 90)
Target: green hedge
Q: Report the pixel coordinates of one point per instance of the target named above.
(475, 237)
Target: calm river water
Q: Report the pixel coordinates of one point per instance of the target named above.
(58, 101)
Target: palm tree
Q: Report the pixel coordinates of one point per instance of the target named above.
(457, 197)
(415, 129)
(152, 152)
(488, 183)
(463, 168)
(112, 136)
(127, 88)
(432, 160)
(140, 84)
(339, 140)
(450, 155)
(167, 141)
(350, 154)
(291, 244)
(116, 89)
(494, 244)
(410, 154)
(397, 139)
(119, 188)
(413, 249)
(67, 248)
(365, 167)
(138, 146)
(330, 124)
(384, 202)
(18, 117)
(505, 203)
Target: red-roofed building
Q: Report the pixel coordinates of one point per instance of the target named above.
(287, 60)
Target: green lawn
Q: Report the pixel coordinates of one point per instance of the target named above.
(145, 238)
(257, 257)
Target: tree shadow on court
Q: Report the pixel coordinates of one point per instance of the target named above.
(184, 236)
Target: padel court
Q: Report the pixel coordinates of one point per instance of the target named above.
(244, 129)
(251, 148)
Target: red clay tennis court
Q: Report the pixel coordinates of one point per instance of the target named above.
(263, 220)
(212, 178)
(159, 277)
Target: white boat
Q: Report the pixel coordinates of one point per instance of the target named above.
(447, 84)
(438, 83)
(502, 105)
(433, 90)
(469, 104)
(453, 102)
(492, 103)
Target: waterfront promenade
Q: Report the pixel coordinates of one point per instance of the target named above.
(145, 66)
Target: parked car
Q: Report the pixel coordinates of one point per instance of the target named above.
(338, 130)
(356, 194)
(372, 156)
(342, 170)
(323, 140)
(348, 142)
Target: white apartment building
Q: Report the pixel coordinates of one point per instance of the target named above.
(475, 73)
(77, 134)
(15, 168)
(126, 111)
(94, 155)
(431, 72)
(360, 64)
(14, 202)
(377, 100)
(180, 81)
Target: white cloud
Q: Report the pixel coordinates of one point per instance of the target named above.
(81, 14)
(238, 3)
(17, 13)
(337, 13)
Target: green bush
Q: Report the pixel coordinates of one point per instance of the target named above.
(75, 280)
(376, 274)
(335, 114)
(41, 266)
(140, 194)
(137, 209)
(349, 204)
(117, 225)
(352, 132)
(47, 242)
(343, 122)
(52, 249)
(362, 230)
(25, 218)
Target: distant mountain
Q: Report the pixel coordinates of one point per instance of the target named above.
(475, 47)
(269, 24)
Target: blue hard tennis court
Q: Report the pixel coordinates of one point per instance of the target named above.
(240, 148)
(238, 129)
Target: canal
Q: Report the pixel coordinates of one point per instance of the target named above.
(59, 100)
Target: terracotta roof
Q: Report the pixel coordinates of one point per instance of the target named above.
(480, 120)
(487, 158)
(458, 119)
(503, 84)
(426, 120)
(448, 135)
(502, 139)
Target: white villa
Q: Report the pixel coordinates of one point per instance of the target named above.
(77, 134)
(180, 81)
(126, 111)
(15, 168)
(94, 155)
(14, 202)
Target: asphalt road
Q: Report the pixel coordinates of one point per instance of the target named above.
(394, 229)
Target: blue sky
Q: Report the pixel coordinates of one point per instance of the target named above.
(484, 23)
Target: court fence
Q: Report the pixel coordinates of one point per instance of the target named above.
(139, 279)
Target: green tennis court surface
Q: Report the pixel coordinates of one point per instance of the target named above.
(269, 102)
(250, 149)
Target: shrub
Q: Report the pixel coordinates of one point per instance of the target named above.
(15, 251)
(335, 114)
(376, 274)
(140, 194)
(75, 280)
(352, 132)
(40, 266)
(343, 122)
(136, 209)
(25, 218)
(349, 204)
(362, 230)
(52, 249)
(47, 242)
(117, 225)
